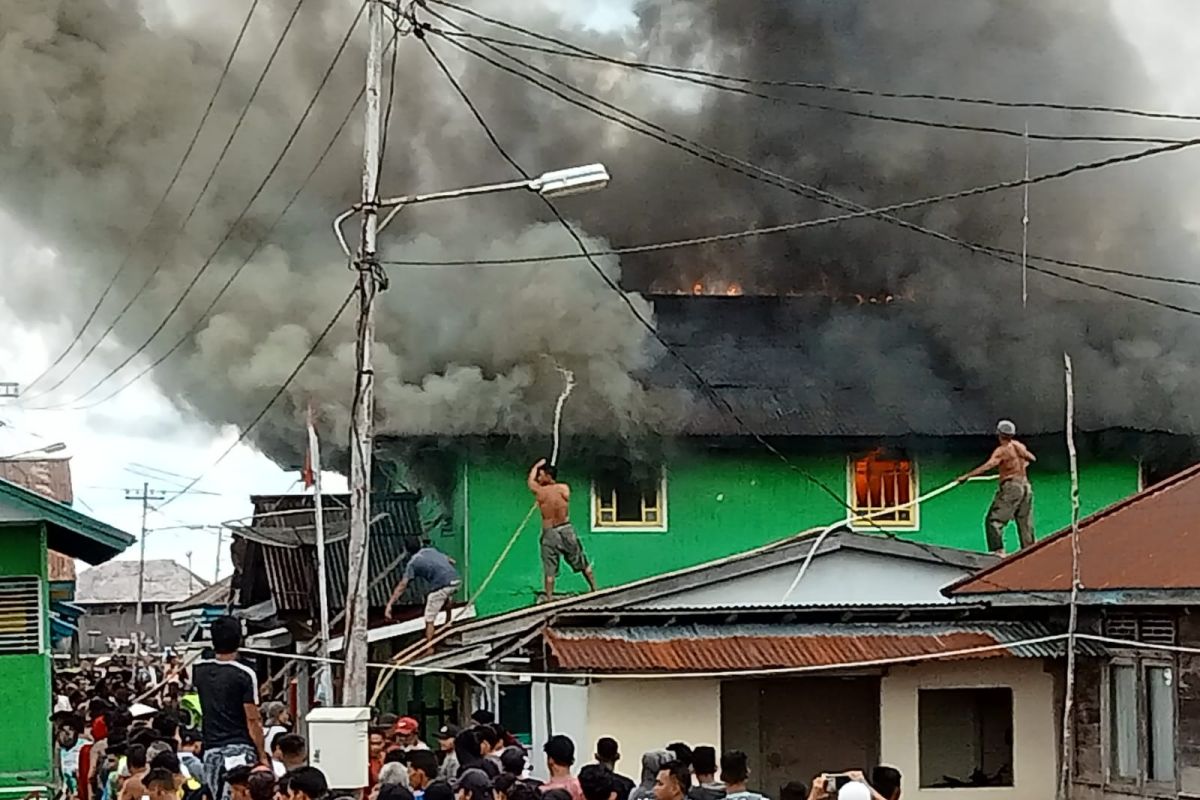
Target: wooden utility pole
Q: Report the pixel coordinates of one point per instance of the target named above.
(362, 435)
(147, 494)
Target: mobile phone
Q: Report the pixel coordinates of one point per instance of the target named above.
(834, 782)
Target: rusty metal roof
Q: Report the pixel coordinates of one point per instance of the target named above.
(1148, 541)
(50, 477)
(694, 648)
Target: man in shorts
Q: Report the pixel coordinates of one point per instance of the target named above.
(1014, 494)
(559, 540)
(437, 569)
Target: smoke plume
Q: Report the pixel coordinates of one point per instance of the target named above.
(98, 99)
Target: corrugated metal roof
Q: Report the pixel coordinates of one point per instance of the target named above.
(117, 582)
(1148, 541)
(747, 647)
(287, 544)
(217, 595)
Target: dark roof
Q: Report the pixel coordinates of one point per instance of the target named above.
(282, 538)
(684, 648)
(1148, 541)
(68, 531)
(216, 596)
(632, 595)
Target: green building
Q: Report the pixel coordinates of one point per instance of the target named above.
(31, 525)
(703, 486)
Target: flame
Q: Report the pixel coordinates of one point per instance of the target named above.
(697, 288)
(734, 289)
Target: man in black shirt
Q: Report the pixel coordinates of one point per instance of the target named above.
(233, 732)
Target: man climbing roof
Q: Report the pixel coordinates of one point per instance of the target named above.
(1014, 495)
(437, 569)
(559, 539)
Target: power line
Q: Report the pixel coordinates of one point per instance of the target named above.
(708, 390)
(229, 234)
(810, 191)
(163, 257)
(871, 115)
(127, 260)
(578, 52)
(274, 397)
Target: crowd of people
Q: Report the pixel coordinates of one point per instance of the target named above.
(209, 738)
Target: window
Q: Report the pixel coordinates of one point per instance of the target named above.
(20, 615)
(964, 737)
(1141, 723)
(887, 483)
(628, 499)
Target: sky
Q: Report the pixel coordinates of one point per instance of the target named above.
(114, 447)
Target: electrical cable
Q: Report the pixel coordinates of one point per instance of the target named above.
(707, 389)
(127, 260)
(183, 224)
(229, 234)
(274, 397)
(923, 123)
(826, 87)
(809, 191)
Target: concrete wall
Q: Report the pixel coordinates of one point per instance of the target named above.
(121, 621)
(724, 502)
(1034, 740)
(648, 715)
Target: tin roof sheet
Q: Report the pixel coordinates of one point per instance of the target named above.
(693, 648)
(1148, 541)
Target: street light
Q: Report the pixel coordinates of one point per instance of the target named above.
(556, 183)
(50, 448)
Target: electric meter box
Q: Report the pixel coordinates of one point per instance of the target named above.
(338, 745)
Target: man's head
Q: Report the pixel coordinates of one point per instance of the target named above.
(406, 731)
(135, 757)
(608, 751)
(490, 740)
(735, 767)
(70, 728)
(596, 780)
(886, 781)
(190, 741)
(512, 760)
(376, 741)
(474, 784)
(1006, 430)
(226, 635)
(422, 768)
(308, 783)
(238, 779)
(165, 724)
(560, 752)
(261, 784)
(291, 750)
(547, 474)
(483, 717)
(168, 761)
(683, 753)
(793, 790)
(704, 762)
(160, 785)
(445, 737)
(673, 781)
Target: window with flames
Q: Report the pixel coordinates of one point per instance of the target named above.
(883, 491)
(625, 500)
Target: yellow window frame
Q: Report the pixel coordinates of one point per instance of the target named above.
(860, 518)
(653, 515)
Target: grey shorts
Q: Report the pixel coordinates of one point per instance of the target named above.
(562, 542)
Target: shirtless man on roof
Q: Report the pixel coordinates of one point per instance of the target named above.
(1014, 495)
(558, 535)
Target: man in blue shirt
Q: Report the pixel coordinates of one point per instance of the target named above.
(436, 569)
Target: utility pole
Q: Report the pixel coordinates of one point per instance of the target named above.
(362, 435)
(217, 571)
(147, 494)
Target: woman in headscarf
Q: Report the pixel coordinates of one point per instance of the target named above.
(652, 764)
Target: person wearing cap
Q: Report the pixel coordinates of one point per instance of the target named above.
(407, 735)
(447, 760)
(1014, 494)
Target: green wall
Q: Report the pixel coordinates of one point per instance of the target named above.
(25, 747)
(724, 502)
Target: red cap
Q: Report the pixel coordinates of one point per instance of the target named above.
(406, 726)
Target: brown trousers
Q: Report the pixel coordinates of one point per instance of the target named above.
(1013, 501)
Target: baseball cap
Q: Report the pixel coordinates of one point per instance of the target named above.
(1006, 427)
(447, 732)
(406, 726)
